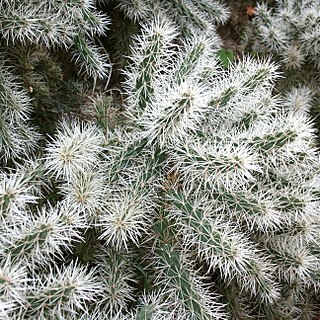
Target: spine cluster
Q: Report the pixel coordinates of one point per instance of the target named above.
(198, 199)
(291, 31)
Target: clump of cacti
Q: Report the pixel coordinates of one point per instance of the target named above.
(289, 31)
(188, 16)
(58, 24)
(197, 199)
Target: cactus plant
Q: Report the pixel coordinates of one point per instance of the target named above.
(201, 202)
(290, 31)
(66, 24)
(187, 15)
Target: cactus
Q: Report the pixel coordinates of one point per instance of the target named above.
(198, 199)
(290, 31)
(64, 24)
(188, 16)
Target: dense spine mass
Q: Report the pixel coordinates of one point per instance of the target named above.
(289, 30)
(197, 199)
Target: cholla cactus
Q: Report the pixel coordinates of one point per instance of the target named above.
(202, 203)
(68, 24)
(189, 15)
(291, 31)
(238, 182)
(17, 137)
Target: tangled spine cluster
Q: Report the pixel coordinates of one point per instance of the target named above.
(202, 204)
(58, 23)
(291, 31)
